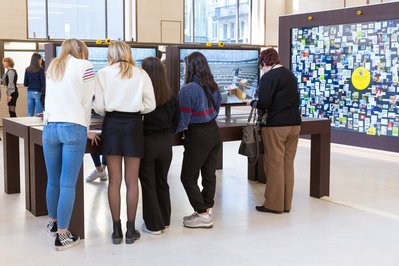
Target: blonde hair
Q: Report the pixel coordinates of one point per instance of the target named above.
(9, 61)
(120, 52)
(73, 47)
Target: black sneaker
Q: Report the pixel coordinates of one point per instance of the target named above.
(52, 228)
(64, 241)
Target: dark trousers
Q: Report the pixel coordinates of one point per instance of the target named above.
(153, 175)
(97, 160)
(201, 146)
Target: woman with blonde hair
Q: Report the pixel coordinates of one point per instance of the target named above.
(9, 79)
(70, 89)
(123, 92)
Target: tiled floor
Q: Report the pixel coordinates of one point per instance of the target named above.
(357, 225)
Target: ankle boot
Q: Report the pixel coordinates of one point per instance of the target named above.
(131, 234)
(117, 235)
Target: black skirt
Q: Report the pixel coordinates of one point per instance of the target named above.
(122, 134)
(14, 97)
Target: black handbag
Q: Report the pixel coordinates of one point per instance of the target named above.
(251, 143)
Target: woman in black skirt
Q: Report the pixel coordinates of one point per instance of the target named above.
(159, 126)
(123, 93)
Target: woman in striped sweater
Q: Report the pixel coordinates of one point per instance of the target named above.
(70, 89)
(199, 100)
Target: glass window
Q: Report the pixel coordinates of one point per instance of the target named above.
(188, 20)
(201, 20)
(202, 15)
(82, 19)
(37, 19)
(244, 19)
(115, 23)
(214, 30)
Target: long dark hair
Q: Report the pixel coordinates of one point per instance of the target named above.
(157, 72)
(34, 63)
(197, 65)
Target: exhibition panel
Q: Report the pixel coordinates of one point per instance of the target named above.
(346, 63)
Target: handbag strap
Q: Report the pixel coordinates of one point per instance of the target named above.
(253, 114)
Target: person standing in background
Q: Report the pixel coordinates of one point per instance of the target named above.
(199, 100)
(123, 93)
(35, 81)
(279, 97)
(159, 126)
(9, 79)
(70, 89)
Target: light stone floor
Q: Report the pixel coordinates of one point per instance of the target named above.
(357, 225)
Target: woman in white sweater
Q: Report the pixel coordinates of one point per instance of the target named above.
(123, 93)
(69, 93)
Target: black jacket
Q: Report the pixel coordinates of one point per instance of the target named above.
(279, 96)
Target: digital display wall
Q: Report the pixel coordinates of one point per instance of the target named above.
(349, 74)
(235, 71)
(98, 55)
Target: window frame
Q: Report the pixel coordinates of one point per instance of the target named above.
(237, 34)
(106, 2)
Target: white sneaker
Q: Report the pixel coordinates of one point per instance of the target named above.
(145, 229)
(96, 174)
(197, 220)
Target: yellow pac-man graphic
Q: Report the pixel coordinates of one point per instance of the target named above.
(372, 131)
(361, 78)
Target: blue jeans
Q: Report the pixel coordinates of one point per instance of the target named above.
(34, 103)
(63, 146)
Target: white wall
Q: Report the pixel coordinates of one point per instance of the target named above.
(274, 9)
(151, 14)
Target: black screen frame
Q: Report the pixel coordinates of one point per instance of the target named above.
(173, 63)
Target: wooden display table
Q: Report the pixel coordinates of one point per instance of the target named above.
(13, 129)
(230, 130)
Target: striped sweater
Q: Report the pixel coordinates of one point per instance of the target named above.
(70, 99)
(195, 107)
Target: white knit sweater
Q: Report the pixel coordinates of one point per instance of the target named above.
(112, 93)
(70, 99)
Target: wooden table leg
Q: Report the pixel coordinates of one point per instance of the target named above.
(11, 164)
(77, 224)
(320, 165)
(38, 180)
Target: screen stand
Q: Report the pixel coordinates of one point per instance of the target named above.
(227, 110)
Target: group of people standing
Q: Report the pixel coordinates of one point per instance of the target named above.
(141, 114)
(34, 80)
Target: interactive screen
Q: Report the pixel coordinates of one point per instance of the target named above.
(98, 55)
(235, 71)
(349, 74)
